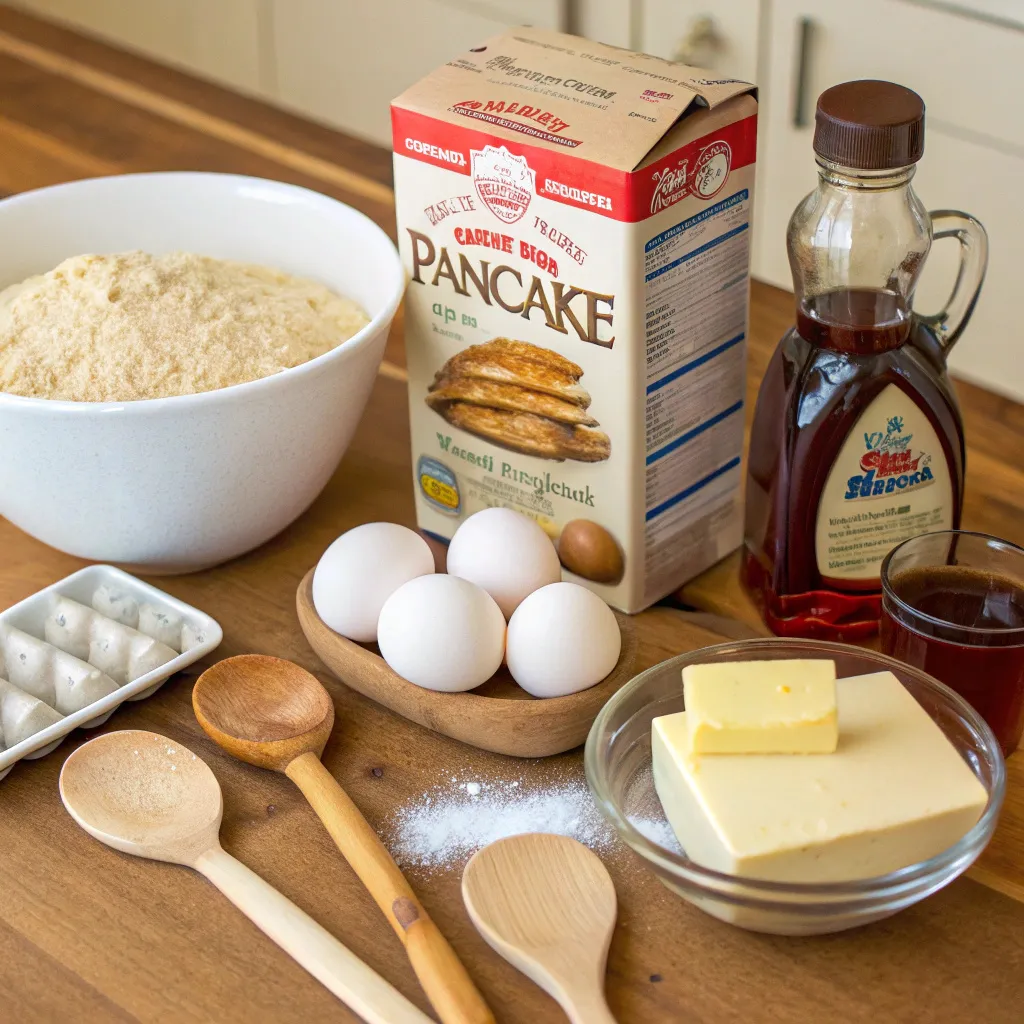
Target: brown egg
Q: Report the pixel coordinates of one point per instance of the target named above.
(589, 550)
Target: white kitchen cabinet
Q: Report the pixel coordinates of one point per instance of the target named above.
(718, 34)
(343, 62)
(339, 61)
(219, 39)
(607, 21)
(971, 74)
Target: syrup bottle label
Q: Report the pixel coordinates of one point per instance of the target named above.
(889, 482)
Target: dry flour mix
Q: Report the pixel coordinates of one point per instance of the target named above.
(129, 326)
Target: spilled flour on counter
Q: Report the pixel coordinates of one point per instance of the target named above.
(449, 823)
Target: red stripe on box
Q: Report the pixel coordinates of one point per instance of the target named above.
(695, 168)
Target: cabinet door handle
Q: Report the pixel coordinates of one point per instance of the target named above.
(701, 40)
(801, 118)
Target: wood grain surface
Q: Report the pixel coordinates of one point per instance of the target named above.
(87, 934)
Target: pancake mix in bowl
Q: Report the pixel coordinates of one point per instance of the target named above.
(122, 327)
(575, 223)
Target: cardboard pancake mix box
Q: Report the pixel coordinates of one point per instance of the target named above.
(575, 222)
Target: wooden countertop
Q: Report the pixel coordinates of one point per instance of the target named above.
(87, 934)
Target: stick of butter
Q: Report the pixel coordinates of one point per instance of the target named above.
(895, 792)
(762, 707)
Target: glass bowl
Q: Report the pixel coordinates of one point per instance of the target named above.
(618, 766)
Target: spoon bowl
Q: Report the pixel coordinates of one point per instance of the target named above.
(143, 794)
(547, 905)
(147, 795)
(265, 711)
(276, 715)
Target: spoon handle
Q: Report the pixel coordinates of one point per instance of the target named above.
(444, 979)
(331, 963)
(587, 1007)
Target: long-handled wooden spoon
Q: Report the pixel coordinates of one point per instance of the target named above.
(147, 795)
(547, 905)
(274, 714)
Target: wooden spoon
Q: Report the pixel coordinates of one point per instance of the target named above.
(147, 795)
(274, 714)
(547, 905)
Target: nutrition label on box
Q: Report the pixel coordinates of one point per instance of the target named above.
(695, 276)
(690, 399)
(696, 281)
(701, 521)
(671, 482)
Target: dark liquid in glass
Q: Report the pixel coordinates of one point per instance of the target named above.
(847, 346)
(987, 668)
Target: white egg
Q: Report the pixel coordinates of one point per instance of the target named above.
(361, 570)
(442, 633)
(561, 639)
(506, 553)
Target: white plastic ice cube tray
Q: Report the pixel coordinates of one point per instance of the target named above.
(70, 654)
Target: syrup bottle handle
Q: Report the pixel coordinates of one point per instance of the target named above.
(949, 322)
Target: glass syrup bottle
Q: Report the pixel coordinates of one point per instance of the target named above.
(857, 442)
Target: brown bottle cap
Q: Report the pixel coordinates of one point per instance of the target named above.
(870, 125)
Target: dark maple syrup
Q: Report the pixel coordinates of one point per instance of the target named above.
(812, 397)
(964, 626)
(860, 320)
(857, 439)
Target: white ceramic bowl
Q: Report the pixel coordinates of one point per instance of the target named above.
(178, 484)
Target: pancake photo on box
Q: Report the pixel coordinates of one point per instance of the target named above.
(521, 397)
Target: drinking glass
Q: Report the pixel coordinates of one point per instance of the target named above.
(953, 606)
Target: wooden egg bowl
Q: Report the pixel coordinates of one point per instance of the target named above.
(497, 716)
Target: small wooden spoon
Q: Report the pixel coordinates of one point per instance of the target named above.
(547, 905)
(276, 715)
(147, 795)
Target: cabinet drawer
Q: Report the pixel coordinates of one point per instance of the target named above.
(722, 35)
(974, 145)
(956, 174)
(344, 62)
(970, 71)
(218, 39)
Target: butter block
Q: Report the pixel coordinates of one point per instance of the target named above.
(762, 707)
(895, 792)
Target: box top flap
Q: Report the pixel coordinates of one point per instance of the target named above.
(567, 95)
